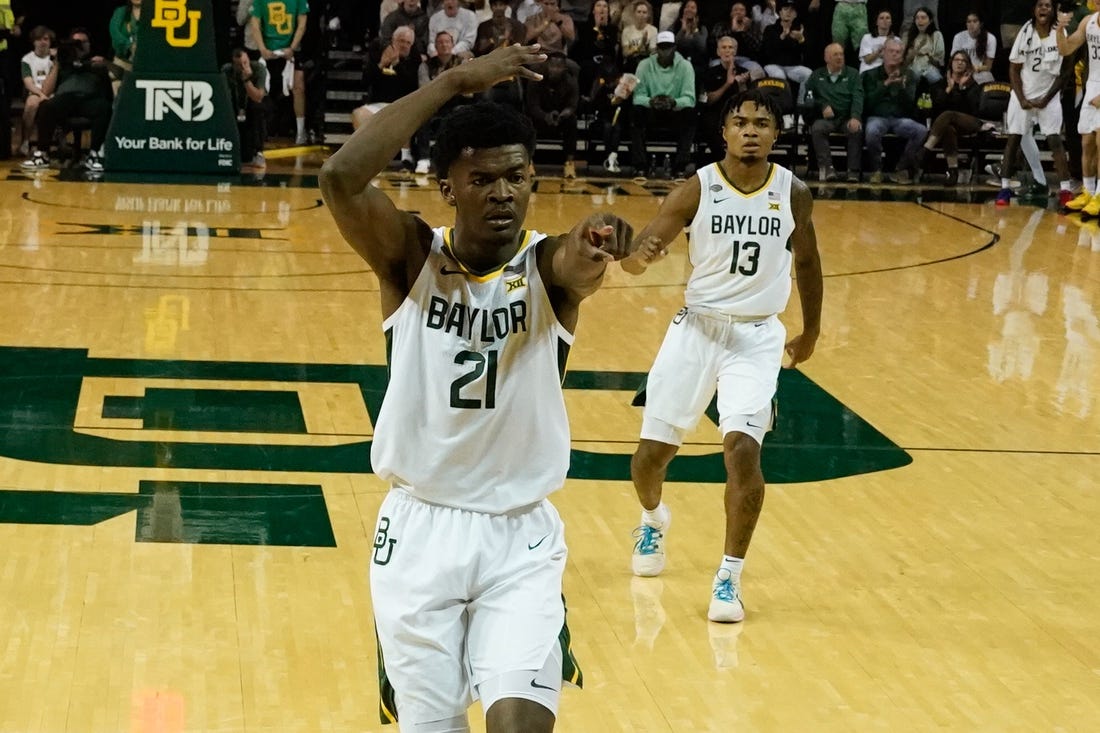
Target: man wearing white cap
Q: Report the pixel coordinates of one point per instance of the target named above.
(664, 97)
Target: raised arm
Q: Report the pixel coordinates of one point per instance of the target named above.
(394, 242)
(807, 272)
(1069, 44)
(675, 213)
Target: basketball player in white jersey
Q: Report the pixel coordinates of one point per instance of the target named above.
(1035, 71)
(748, 219)
(472, 435)
(1088, 32)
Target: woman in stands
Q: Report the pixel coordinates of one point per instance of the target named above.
(924, 47)
(955, 100)
(980, 45)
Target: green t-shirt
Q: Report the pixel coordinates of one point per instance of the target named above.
(278, 20)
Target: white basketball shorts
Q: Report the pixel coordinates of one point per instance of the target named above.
(1089, 120)
(1021, 121)
(462, 598)
(702, 351)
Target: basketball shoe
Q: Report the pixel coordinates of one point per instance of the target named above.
(1079, 202)
(1092, 208)
(649, 549)
(725, 599)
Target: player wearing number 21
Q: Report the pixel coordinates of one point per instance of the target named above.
(747, 218)
(466, 571)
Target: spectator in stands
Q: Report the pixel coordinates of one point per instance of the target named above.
(82, 88)
(391, 72)
(578, 10)
(890, 105)
(924, 47)
(849, 23)
(597, 39)
(723, 79)
(430, 68)
(955, 102)
(870, 47)
(552, 106)
(123, 28)
(782, 49)
(665, 98)
(247, 84)
(552, 29)
(277, 28)
(411, 14)
(691, 36)
(606, 99)
(35, 70)
(748, 38)
(499, 30)
(980, 45)
(460, 22)
(639, 38)
(837, 93)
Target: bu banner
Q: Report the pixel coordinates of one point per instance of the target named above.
(174, 112)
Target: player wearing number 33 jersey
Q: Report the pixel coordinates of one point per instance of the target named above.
(495, 344)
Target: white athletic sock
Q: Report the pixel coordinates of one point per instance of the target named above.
(1065, 186)
(734, 565)
(658, 518)
(1006, 183)
(1089, 184)
(301, 122)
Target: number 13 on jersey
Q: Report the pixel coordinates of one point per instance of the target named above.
(746, 257)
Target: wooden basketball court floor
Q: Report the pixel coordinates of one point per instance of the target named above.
(186, 509)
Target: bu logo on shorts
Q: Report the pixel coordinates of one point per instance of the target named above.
(382, 542)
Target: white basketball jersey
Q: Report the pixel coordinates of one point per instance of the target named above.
(740, 244)
(1092, 41)
(1042, 64)
(474, 415)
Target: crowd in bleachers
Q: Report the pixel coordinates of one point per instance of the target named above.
(620, 71)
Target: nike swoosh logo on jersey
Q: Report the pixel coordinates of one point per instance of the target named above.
(531, 547)
(718, 201)
(540, 687)
(444, 271)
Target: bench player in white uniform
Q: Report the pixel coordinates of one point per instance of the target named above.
(1088, 32)
(472, 435)
(747, 218)
(1035, 71)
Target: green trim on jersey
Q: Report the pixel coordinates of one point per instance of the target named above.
(570, 670)
(563, 358)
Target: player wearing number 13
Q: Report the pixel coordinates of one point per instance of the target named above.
(746, 217)
(472, 434)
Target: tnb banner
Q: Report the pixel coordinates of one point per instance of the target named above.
(174, 112)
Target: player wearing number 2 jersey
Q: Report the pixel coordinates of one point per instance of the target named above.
(748, 220)
(468, 553)
(1036, 72)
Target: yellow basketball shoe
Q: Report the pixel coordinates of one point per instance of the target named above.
(1079, 201)
(1092, 208)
